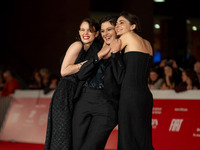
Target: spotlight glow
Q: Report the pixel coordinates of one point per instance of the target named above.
(188, 21)
(194, 28)
(159, 1)
(157, 26)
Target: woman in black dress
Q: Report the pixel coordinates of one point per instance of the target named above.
(136, 101)
(59, 129)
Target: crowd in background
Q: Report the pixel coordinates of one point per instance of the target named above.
(164, 75)
(40, 79)
(169, 75)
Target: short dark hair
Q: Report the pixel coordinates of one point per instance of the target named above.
(111, 19)
(133, 19)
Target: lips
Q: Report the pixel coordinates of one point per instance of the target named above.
(107, 37)
(86, 37)
(118, 30)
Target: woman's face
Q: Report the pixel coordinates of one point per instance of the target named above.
(197, 67)
(184, 77)
(86, 35)
(153, 76)
(168, 71)
(108, 32)
(123, 26)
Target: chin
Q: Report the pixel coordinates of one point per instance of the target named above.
(119, 34)
(86, 41)
(108, 43)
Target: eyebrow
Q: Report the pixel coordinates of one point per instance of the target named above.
(121, 20)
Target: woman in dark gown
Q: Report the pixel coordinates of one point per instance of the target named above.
(136, 101)
(59, 126)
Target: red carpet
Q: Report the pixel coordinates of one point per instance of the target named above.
(22, 146)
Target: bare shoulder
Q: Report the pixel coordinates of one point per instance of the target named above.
(77, 44)
(148, 46)
(126, 38)
(75, 47)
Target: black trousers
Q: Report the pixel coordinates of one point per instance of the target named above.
(93, 120)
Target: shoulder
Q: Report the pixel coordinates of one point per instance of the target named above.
(147, 42)
(130, 40)
(129, 37)
(76, 44)
(75, 47)
(148, 46)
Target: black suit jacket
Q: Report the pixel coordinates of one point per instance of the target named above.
(113, 76)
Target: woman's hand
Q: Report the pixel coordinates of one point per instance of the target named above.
(103, 52)
(80, 64)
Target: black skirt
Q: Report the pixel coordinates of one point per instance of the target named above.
(59, 125)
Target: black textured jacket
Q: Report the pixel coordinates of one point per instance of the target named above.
(112, 76)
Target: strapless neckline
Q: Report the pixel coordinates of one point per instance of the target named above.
(137, 52)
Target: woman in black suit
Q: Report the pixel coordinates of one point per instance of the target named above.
(96, 102)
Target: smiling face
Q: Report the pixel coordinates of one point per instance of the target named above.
(123, 26)
(87, 36)
(108, 32)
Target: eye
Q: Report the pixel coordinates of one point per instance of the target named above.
(102, 31)
(120, 22)
(109, 29)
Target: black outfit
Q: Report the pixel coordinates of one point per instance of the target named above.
(58, 135)
(95, 111)
(59, 125)
(136, 102)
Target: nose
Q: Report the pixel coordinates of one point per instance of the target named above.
(117, 25)
(86, 32)
(106, 32)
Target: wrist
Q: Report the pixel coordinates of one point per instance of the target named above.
(78, 66)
